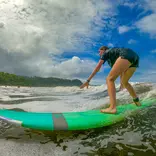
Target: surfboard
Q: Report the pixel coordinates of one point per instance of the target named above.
(71, 120)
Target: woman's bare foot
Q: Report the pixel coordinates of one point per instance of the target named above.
(108, 110)
(137, 103)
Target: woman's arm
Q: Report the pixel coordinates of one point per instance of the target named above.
(97, 68)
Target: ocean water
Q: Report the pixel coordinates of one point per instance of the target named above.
(136, 135)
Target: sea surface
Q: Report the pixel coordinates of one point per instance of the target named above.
(134, 136)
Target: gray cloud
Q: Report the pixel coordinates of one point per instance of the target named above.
(123, 29)
(153, 51)
(147, 24)
(41, 65)
(150, 5)
(132, 41)
(31, 30)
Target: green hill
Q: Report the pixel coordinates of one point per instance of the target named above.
(15, 80)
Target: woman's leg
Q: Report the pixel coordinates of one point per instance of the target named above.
(125, 78)
(121, 65)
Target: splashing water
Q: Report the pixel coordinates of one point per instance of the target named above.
(134, 136)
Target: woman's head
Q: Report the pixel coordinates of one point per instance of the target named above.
(102, 49)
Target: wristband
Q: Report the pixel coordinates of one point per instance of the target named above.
(88, 81)
(136, 99)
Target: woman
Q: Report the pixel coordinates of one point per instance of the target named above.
(123, 62)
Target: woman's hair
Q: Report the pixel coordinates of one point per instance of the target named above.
(104, 48)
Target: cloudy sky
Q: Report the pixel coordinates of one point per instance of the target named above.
(61, 38)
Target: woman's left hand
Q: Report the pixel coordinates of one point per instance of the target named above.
(86, 84)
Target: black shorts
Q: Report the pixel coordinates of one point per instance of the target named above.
(131, 56)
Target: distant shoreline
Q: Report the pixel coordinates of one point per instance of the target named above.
(7, 79)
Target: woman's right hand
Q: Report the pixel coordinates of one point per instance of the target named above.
(86, 84)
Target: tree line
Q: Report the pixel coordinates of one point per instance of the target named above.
(15, 80)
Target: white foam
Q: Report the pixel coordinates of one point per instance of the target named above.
(67, 98)
(69, 102)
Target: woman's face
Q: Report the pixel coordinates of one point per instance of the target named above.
(101, 52)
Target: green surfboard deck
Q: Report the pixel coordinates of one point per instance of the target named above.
(71, 120)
